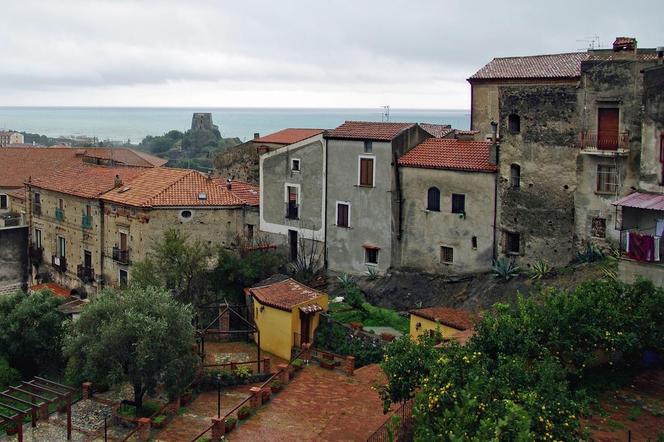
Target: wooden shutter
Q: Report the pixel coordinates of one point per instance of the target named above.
(607, 128)
(342, 215)
(366, 171)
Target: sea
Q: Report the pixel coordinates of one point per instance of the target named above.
(133, 124)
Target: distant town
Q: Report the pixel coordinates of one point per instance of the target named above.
(372, 281)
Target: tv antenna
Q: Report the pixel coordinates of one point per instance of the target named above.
(386, 114)
(592, 42)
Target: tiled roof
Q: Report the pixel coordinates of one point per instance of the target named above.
(124, 155)
(451, 317)
(640, 200)
(85, 180)
(285, 294)
(19, 163)
(437, 130)
(443, 153)
(166, 187)
(366, 130)
(17, 193)
(247, 192)
(566, 65)
(288, 136)
(56, 289)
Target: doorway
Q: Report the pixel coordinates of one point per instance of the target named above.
(292, 245)
(607, 128)
(305, 327)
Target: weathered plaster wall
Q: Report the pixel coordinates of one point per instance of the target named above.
(652, 130)
(426, 231)
(14, 269)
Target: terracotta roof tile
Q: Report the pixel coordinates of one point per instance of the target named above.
(56, 289)
(17, 164)
(367, 130)
(166, 187)
(437, 130)
(566, 65)
(443, 153)
(124, 155)
(285, 294)
(451, 317)
(288, 136)
(247, 192)
(85, 180)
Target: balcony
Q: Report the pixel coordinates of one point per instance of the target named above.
(292, 211)
(59, 263)
(36, 208)
(86, 221)
(59, 214)
(35, 253)
(592, 143)
(10, 220)
(86, 274)
(641, 245)
(120, 256)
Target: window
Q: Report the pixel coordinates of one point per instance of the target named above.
(515, 176)
(249, 232)
(371, 255)
(292, 198)
(473, 242)
(295, 165)
(87, 259)
(123, 278)
(458, 203)
(38, 238)
(37, 198)
(185, 214)
(61, 203)
(3, 201)
(433, 199)
(366, 172)
(88, 210)
(124, 245)
(514, 123)
(343, 215)
(598, 228)
(512, 242)
(62, 247)
(607, 178)
(446, 255)
(368, 146)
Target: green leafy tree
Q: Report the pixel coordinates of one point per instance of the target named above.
(140, 336)
(31, 330)
(175, 263)
(8, 375)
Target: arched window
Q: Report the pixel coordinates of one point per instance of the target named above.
(433, 199)
(515, 176)
(514, 123)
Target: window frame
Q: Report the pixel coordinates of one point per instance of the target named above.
(126, 278)
(336, 214)
(433, 190)
(510, 234)
(38, 238)
(515, 178)
(446, 252)
(514, 123)
(368, 146)
(602, 186)
(299, 165)
(373, 170)
(367, 253)
(3, 196)
(298, 199)
(455, 208)
(592, 227)
(61, 247)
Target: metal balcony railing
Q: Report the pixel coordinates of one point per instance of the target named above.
(604, 141)
(86, 274)
(292, 211)
(60, 263)
(121, 256)
(86, 221)
(59, 214)
(35, 253)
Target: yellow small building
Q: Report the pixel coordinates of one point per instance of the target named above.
(285, 312)
(452, 323)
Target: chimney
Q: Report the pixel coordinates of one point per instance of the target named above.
(256, 135)
(118, 181)
(660, 54)
(229, 183)
(624, 44)
(209, 175)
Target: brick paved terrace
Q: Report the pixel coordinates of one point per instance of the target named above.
(319, 405)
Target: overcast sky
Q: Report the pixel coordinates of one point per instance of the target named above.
(253, 53)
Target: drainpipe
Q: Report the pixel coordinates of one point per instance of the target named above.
(325, 172)
(102, 216)
(397, 180)
(495, 157)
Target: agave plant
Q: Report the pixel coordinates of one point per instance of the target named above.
(504, 268)
(346, 280)
(372, 273)
(589, 254)
(541, 269)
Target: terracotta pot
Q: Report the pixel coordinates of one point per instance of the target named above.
(243, 415)
(229, 427)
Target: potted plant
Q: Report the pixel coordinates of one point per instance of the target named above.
(327, 362)
(297, 364)
(230, 423)
(159, 421)
(244, 412)
(276, 385)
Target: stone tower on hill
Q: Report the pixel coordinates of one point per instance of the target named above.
(202, 121)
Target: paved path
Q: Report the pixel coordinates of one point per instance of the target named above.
(319, 405)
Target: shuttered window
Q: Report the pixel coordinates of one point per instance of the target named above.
(458, 203)
(343, 215)
(366, 172)
(433, 199)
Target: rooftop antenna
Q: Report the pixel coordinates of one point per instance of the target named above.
(593, 42)
(386, 114)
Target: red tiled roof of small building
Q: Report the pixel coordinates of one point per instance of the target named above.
(56, 289)
(443, 153)
(451, 317)
(20, 163)
(367, 130)
(124, 155)
(285, 294)
(288, 136)
(437, 130)
(567, 65)
(85, 180)
(247, 192)
(166, 187)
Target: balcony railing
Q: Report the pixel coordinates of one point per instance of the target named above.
(86, 274)
(36, 208)
(641, 245)
(602, 141)
(292, 211)
(59, 214)
(35, 253)
(121, 256)
(86, 221)
(60, 263)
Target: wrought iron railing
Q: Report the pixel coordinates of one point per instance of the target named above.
(121, 256)
(86, 274)
(59, 262)
(35, 253)
(292, 211)
(398, 427)
(604, 141)
(86, 221)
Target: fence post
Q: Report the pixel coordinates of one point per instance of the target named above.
(350, 365)
(218, 429)
(306, 352)
(283, 373)
(266, 393)
(267, 368)
(144, 429)
(256, 398)
(87, 390)
(43, 412)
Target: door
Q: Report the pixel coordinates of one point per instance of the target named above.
(123, 241)
(62, 247)
(607, 128)
(292, 245)
(305, 327)
(87, 259)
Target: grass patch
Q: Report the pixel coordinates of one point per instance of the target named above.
(369, 315)
(634, 413)
(614, 425)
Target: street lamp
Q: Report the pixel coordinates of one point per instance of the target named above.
(218, 395)
(106, 414)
